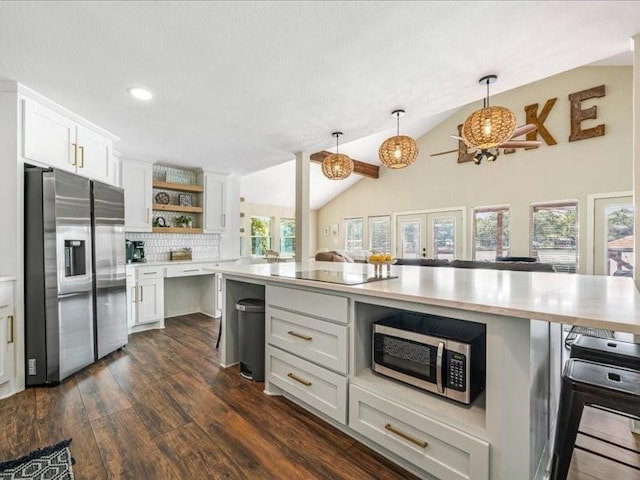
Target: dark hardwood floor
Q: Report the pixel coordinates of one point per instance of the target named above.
(162, 409)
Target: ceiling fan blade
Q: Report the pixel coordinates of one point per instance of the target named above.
(457, 137)
(524, 129)
(520, 144)
(443, 153)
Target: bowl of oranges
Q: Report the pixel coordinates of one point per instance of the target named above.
(381, 259)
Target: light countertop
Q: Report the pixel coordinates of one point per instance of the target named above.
(165, 263)
(603, 302)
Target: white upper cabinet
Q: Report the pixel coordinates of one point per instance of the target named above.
(53, 139)
(48, 137)
(94, 155)
(215, 191)
(136, 178)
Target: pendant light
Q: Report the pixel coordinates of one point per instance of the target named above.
(337, 166)
(490, 126)
(399, 151)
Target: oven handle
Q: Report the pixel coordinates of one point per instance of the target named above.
(439, 359)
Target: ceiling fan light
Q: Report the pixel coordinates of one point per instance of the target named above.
(397, 152)
(337, 166)
(488, 127)
(477, 158)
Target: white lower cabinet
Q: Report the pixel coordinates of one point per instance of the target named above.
(150, 300)
(316, 386)
(145, 296)
(7, 325)
(321, 342)
(436, 448)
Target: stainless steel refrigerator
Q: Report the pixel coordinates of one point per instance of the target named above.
(75, 304)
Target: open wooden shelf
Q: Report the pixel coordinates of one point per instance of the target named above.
(176, 230)
(178, 187)
(176, 208)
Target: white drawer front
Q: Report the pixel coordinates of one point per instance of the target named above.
(321, 342)
(316, 386)
(6, 298)
(330, 307)
(185, 270)
(436, 448)
(146, 273)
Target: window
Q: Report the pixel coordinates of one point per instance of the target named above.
(287, 236)
(353, 234)
(490, 233)
(380, 233)
(554, 235)
(260, 235)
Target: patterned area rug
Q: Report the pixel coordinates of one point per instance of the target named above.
(50, 463)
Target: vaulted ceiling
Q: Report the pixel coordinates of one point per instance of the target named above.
(241, 86)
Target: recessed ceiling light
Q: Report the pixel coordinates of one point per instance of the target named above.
(140, 93)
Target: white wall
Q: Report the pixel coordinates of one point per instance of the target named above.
(276, 212)
(568, 170)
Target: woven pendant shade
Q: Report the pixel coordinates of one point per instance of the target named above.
(489, 127)
(337, 166)
(398, 152)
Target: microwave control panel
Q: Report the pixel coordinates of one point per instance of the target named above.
(456, 371)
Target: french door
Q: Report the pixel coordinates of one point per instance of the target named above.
(430, 235)
(613, 236)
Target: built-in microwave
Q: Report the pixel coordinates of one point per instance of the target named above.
(442, 355)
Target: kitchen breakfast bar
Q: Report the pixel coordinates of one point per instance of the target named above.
(320, 319)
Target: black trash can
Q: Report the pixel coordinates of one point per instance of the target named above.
(251, 334)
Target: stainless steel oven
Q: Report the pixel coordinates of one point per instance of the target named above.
(442, 355)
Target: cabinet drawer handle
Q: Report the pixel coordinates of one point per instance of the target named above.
(149, 273)
(81, 148)
(299, 335)
(75, 154)
(193, 270)
(406, 436)
(147, 216)
(293, 376)
(10, 325)
(141, 293)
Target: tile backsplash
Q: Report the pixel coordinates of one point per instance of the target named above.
(158, 245)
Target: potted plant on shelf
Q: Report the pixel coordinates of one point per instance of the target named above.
(183, 221)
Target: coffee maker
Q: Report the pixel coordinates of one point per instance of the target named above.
(135, 251)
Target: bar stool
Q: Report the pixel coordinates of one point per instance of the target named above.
(588, 383)
(608, 351)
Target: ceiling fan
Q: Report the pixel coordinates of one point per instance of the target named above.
(492, 153)
(492, 128)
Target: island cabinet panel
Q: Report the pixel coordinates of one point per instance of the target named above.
(321, 342)
(331, 307)
(317, 387)
(436, 448)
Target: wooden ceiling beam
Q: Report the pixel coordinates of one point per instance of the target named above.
(361, 168)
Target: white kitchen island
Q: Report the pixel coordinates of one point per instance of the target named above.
(504, 434)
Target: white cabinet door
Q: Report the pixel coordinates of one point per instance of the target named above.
(6, 353)
(215, 217)
(132, 299)
(137, 182)
(48, 137)
(150, 300)
(7, 325)
(94, 156)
